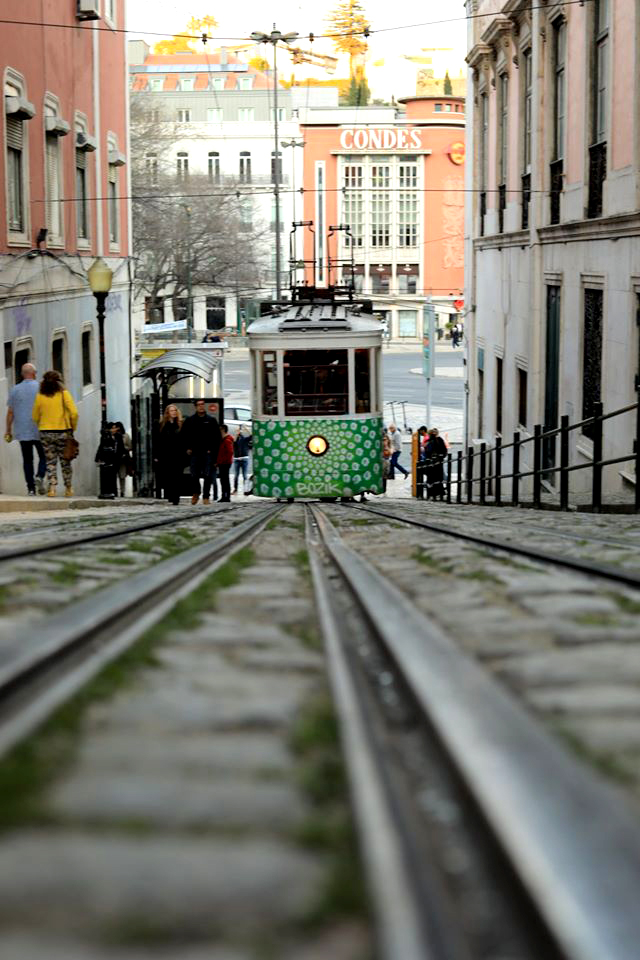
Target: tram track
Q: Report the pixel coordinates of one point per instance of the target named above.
(615, 574)
(74, 643)
(123, 530)
(461, 789)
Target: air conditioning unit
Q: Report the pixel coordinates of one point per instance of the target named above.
(88, 10)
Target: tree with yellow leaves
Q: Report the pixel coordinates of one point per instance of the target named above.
(186, 41)
(349, 28)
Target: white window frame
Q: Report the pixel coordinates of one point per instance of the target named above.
(187, 84)
(80, 126)
(213, 166)
(110, 8)
(245, 83)
(88, 329)
(250, 114)
(60, 334)
(113, 193)
(53, 172)
(182, 165)
(214, 115)
(184, 115)
(14, 84)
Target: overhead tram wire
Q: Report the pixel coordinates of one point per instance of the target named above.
(318, 36)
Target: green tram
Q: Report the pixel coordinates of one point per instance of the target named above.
(316, 399)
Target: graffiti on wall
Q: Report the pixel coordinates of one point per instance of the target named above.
(22, 319)
(453, 222)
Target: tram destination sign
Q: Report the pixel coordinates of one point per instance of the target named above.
(381, 138)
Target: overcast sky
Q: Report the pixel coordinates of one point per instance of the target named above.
(170, 16)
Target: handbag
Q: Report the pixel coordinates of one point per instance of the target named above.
(71, 445)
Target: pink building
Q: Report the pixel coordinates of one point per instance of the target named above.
(63, 201)
(552, 282)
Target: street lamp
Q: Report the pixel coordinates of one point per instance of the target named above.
(100, 277)
(273, 38)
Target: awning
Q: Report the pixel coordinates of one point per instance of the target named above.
(196, 363)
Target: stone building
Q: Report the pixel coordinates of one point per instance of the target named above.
(63, 202)
(552, 284)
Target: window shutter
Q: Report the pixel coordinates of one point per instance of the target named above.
(81, 160)
(53, 186)
(14, 133)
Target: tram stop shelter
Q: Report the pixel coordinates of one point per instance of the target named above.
(177, 374)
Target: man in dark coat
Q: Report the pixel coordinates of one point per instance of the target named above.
(202, 439)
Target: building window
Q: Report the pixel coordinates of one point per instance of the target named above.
(282, 114)
(407, 219)
(245, 83)
(15, 174)
(380, 176)
(408, 174)
(527, 90)
(483, 158)
(187, 84)
(184, 116)
(591, 356)
(214, 166)
(598, 148)
(353, 218)
(153, 310)
(245, 167)
(53, 187)
(380, 278)
(216, 313)
(82, 204)
(245, 214)
(217, 83)
(353, 176)
(499, 395)
(214, 115)
(407, 323)
(110, 10)
(407, 282)
(112, 203)
(22, 356)
(438, 108)
(559, 67)
(522, 396)
(246, 114)
(87, 350)
(276, 167)
(380, 220)
(447, 108)
(8, 362)
(182, 165)
(155, 84)
(151, 168)
(503, 143)
(58, 355)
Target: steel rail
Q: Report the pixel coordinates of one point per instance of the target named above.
(36, 548)
(74, 644)
(398, 914)
(604, 571)
(572, 840)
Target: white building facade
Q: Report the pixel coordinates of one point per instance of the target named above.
(552, 260)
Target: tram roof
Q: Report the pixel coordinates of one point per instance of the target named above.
(316, 318)
(198, 363)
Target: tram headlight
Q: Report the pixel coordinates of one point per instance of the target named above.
(317, 446)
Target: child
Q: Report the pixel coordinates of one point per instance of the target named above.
(225, 459)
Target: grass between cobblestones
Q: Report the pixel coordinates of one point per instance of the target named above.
(329, 829)
(33, 765)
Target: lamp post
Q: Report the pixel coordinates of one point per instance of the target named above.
(100, 277)
(273, 38)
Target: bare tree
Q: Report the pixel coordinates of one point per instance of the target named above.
(189, 229)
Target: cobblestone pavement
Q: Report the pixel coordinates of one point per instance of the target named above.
(565, 644)
(193, 812)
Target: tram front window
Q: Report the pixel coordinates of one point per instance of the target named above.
(316, 383)
(269, 384)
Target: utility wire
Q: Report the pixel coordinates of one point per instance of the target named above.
(365, 32)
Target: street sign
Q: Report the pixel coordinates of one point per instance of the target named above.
(165, 327)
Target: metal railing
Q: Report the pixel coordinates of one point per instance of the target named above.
(480, 479)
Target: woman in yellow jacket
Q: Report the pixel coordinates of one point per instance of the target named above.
(56, 416)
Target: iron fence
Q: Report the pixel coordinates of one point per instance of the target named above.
(479, 477)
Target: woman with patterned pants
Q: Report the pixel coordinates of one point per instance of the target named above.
(56, 415)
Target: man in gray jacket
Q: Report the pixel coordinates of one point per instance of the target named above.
(396, 450)
(21, 426)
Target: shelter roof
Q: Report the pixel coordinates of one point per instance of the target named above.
(197, 363)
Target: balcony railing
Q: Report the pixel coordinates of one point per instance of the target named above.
(526, 199)
(556, 179)
(597, 175)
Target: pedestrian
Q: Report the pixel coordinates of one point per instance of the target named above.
(386, 458)
(124, 461)
(396, 450)
(454, 335)
(169, 453)
(223, 462)
(423, 437)
(435, 454)
(241, 446)
(202, 439)
(56, 416)
(21, 426)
